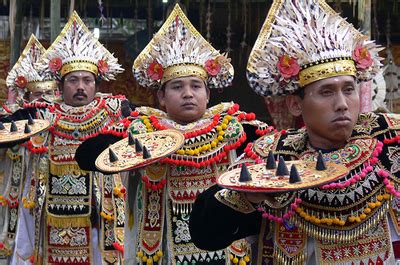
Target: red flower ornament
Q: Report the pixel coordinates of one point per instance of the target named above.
(212, 67)
(155, 71)
(102, 66)
(21, 81)
(288, 66)
(55, 64)
(362, 57)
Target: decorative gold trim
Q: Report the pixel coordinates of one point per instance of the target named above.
(183, 70)
(64, 169)
(79, 23)
(266, 29)
(235, 200)
(326, 70)
(42, 86)
(79, 66)
(68, 221)
(176, 12)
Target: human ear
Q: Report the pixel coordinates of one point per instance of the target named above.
(293, 102)
(161, 97)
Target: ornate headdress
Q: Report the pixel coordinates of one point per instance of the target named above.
(25, 74)
(303, 41)
(76, 49)
(178, 50)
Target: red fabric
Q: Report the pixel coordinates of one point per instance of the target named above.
(396, 249)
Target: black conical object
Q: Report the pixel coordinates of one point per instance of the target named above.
(282, 169)
(294, 175)
(27, 129)
(113, 156)
(244, 174)
(271, 163)
(320, 162)
(30, 120)
(146, 153)
(131, 140)
(13, 127)
(138, 146)
(1, 126)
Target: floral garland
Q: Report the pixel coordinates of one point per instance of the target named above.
(100, 114)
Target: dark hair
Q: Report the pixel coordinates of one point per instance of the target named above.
(299, 92)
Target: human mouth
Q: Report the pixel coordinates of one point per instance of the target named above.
(342, 121)
(188, 104)
(80, 96)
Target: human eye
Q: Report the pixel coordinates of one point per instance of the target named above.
(88, 81)
(72, 80)
(325, 92)
(349, 90)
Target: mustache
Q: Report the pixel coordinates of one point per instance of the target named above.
(80, 94)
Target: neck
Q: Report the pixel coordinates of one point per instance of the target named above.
(326, 144)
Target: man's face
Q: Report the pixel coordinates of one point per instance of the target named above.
(79, 88)
(330, 109)
(185, 99)
(38, 94)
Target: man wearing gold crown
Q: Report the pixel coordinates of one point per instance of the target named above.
(26, 82)
(182, 65)
(72, 216)
(309, 53)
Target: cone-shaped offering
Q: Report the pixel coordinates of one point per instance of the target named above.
(1, 126)
(244, 174)
(294, 175)
(13, 127)
(138, 146)
(113, 156)
(320, 162)
(27, 129)
(271, 163)
(131, 140)
(282, 169)
(30, 120)
(146, 153)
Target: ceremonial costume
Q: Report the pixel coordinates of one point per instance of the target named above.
(167, 190)
(72, 216)
(23, 77)
(348, 221)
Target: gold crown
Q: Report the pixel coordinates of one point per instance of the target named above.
(325, 70)
(79, 66)
(42, 86)
(183, 70)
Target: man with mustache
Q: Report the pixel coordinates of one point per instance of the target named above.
(69, 215)
(182, 66)
(308, 53)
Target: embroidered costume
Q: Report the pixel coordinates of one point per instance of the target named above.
(23, 77)
(168, 189)
(72, 216)
(344, 222)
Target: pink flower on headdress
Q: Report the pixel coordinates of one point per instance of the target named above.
(155, 71)
(21, 81)
(288, 66)
(213, 67)
(102, 66)
(362, 57)
(55, 64)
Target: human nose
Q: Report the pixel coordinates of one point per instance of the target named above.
(341, 102)
(187, 92)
